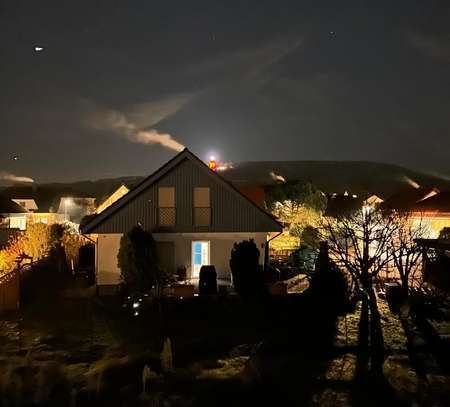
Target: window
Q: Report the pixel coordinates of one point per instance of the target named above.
(18, 222)
(202, 206)
(166, 206)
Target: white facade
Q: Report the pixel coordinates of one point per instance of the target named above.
(219, 251)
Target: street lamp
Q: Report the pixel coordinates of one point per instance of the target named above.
(67, 202)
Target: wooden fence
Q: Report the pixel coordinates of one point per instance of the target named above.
(10, 291)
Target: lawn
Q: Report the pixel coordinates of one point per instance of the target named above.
(225, 352)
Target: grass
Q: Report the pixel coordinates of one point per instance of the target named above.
(225, 352)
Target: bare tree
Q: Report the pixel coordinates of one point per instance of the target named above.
(360, 242)
(404, 250)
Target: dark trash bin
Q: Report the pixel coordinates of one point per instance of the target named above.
(207, 281)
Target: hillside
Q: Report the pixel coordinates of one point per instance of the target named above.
(356, 177)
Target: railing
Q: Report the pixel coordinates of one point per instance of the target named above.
(167, 216)
(202, 216)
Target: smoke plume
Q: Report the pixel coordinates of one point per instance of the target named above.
(137, 124)
(118, 122)
(6, 176)
(277, 177)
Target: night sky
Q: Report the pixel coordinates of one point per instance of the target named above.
(245, 80)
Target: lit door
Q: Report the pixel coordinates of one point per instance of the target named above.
(200, 256)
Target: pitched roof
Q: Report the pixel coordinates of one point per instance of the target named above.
(91, 223)
(436, 203)
(9, 206)
(342, 205)
(407, 199)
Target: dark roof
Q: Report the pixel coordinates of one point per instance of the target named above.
(89, 223)
(406, 199)
(436, 203)
(416, 200)
(342, 205)
(9, 206)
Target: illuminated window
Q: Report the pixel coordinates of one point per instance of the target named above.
(202, 206)
(200, 256)
(18, 222)
(166, 206)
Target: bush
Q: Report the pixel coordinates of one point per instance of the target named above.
(445, 233)
(248, 278)
(207, 281)
(138, 262)
(329, 284)
(304, 258)
(58, 242)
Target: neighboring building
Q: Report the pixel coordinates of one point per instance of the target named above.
(12, 219)
(12, 215)
(18, 214)
(49, 218)
(115, 196)
(28, 203)
(75, 208)
(194, 215)
(430, 207)
(34, 216)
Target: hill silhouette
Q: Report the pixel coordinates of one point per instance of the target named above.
(355, 177)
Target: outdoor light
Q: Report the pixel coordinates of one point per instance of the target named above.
(136, 305)
(212, 164)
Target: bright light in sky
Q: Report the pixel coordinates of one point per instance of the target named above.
(212, 158)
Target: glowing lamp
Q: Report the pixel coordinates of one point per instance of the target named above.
(212, 164)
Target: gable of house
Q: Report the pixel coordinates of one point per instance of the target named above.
(180, 188)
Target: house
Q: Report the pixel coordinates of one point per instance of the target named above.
(34, 215)
(27, 203)
(194, 214)
(12, 219)
(12, 215)
(115, 196)
(429, 207)
(48, 218)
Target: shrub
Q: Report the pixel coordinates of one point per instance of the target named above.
(445, 233)
(40, 241)
(207, 280)
(138, 262)
(329, 284)
(248, 278)
(304, 258)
